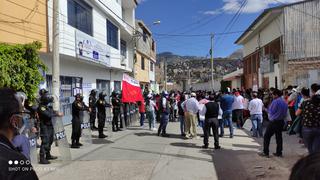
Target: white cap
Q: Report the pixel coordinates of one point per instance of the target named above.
(193, 94)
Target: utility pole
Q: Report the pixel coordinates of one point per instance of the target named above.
(56, 58)
(211, 53)
(135, 39)
(165, 74)
(189, 78)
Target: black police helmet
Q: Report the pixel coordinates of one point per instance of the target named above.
(78, 95)
(102, 95)
(46, 99)
(114, 94)
(43, 92)
(93, 92)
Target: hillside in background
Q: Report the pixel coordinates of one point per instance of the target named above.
(198, 69)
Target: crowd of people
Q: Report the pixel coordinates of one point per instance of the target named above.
(266, 112)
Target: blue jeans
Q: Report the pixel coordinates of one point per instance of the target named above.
(151, 118)
(311, 139)
(163, 123)
(256, 120)
(182, 124)
(226, 119)
(142, 119)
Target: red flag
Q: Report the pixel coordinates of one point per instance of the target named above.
(131, 91)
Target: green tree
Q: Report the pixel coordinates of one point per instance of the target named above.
(20, 67)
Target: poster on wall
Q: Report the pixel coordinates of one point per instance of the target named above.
(90, 49)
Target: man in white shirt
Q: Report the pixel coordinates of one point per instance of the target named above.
(191, 108)
(255, 108)
(237, 108)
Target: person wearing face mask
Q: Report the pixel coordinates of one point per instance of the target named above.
(20, 140)
(11, 114)
(46, 114)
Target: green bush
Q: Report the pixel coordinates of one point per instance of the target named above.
(20, 67)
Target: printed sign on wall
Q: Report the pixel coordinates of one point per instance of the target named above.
(90, 49)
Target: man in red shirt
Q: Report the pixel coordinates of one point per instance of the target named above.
(142, 111)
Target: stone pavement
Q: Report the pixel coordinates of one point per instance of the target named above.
(139, 154)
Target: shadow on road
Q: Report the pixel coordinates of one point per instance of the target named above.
(135, 128)
(228, 164)
(174, 136)
(97, 140)
(187, 145)
(165, 154)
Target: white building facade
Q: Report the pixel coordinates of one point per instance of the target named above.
(235, 78)
(96, 47)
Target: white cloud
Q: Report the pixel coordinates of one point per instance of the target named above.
(252, 6)
(141, 1)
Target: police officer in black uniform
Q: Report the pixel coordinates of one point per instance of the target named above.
(101, 105)
(77, 106)
(116, 104)
(46, 127)
(93, 107)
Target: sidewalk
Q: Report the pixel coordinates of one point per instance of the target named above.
(78, 153)
(239, 157)
(139, 154)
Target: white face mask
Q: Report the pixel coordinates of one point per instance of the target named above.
(20, 126)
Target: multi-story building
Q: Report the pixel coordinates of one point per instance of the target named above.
(145, 57)
(282, 47)
(96, 46)
(96, 41)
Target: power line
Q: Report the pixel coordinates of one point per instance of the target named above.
(133, 28)
(195, 35)
(64, 22)
(200, 25)
(21, 35)
(233, 20)
(197, 27)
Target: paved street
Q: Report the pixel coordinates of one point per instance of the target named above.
(139, 154)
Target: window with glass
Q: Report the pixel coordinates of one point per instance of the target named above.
(104, 85)
(124, 48)
(151, 66)
(117, 85)
(142, 63)
(153, 45)
(112, 35)
(145, 36)
(69, 86)
(80, 16)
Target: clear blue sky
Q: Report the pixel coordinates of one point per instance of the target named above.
(199, 17)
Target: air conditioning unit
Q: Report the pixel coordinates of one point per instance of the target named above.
(123, 61)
